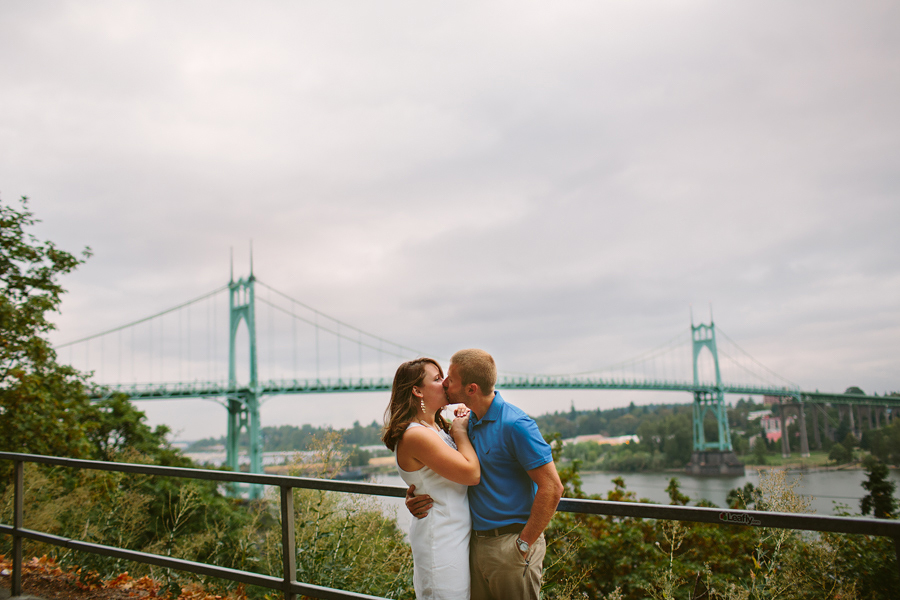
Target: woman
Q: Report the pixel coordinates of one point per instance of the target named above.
(441, 462)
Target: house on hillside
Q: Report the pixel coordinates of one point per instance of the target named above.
(770, 424)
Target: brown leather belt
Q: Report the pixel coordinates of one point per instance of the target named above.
(505, 530)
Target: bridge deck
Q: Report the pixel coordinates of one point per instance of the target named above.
(169, 391)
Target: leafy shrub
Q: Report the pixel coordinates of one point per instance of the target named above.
(343, 541)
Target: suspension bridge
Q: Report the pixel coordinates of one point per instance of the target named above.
(280, 345)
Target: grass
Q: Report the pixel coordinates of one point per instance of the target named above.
(816, 458)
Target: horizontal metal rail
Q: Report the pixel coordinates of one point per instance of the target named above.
(372, 489)
(290, 587)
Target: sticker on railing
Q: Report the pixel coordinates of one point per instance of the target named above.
(738, 518)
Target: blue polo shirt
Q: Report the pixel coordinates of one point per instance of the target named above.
(508, 444)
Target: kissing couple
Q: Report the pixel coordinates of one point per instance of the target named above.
(482, 488)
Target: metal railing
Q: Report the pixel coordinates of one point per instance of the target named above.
(291, 587)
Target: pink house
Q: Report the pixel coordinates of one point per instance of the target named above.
(772, 426)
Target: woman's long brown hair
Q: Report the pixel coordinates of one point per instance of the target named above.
(403, 405)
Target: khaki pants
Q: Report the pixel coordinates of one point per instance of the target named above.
(500, 573)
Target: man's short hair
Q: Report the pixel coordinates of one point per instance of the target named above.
(476, 366)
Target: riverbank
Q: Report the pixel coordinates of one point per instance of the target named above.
(816, 462)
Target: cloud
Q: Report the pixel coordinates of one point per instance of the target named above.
(556, 183)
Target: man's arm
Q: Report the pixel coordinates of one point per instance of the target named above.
(550, 490)
(418, 506)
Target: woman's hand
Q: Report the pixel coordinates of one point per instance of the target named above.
(460, 425)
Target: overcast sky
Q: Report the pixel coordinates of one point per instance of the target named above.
(556, 182)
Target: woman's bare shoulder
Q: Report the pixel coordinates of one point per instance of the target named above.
(421, 435)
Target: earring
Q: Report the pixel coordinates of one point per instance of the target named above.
(422, 404)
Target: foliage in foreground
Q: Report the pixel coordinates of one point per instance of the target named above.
(343, 541)
(625, 558)
(183, 519)
(57, 578)
(339, 539)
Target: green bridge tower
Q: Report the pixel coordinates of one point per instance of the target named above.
(710, 457)
(243, 404)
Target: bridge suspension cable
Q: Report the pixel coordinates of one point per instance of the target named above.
(294, 338)
(338, 322)
(158, 351)
(670, 361)
(174, 346)
(356, 353)
(772, 379)
(144, 320)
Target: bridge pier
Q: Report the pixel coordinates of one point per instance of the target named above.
(711, 463)
(804, 437)
(785, 445)
(801, 427)
(817, 436)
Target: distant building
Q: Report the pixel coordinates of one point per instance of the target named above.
(771, 425)
(757, 414)
(602, 439)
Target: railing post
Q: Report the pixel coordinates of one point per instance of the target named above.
(18, 523)
(288, 547)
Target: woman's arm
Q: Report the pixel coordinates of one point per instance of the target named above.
(423, 447)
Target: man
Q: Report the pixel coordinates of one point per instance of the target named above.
(519, 487)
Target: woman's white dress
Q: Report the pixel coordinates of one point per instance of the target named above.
(440, 541)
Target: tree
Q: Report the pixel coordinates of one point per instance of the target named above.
(675, 495)
(880, 499)
(41, 402)
(885, 443)
(840, 454)
(742, 498)
(114, 425)
(759, 450)
(843, 429)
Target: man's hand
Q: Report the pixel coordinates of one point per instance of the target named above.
(524, 554)
(549, 491)
(418, 506)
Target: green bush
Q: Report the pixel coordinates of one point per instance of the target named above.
(840, 454)
(343, 541)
